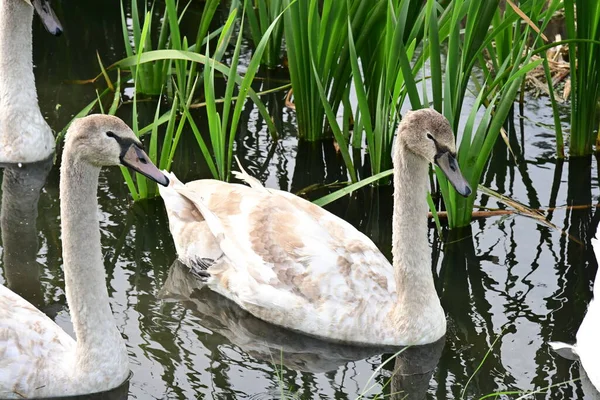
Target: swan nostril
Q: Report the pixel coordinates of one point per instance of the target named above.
(143, 160)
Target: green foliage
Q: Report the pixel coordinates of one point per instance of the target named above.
(260, 14)
(222, 130)
(366, 57)
(181, 64)
(153, 77)
(381, 89)
(584, 57)
(503, 37)
(497, 42)
(316, 39)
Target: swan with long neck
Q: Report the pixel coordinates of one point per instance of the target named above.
(38, 359)
(24, 134)
(291, 263)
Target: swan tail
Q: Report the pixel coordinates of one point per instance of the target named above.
(174, 182)
(225, 242)
(245, 177)
(565, 350)
(214, 223)
(174, 202)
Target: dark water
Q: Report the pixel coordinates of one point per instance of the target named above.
(507, 278)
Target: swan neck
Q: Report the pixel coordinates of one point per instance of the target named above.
(418, 311)
(410, 216)
(16, 52)
(24, 133)
(98, 340)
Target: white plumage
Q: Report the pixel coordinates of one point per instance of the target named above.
(291, 263)
(24, 134)
(37, 358)
(587, 347)
(276, 255)
(30, 343)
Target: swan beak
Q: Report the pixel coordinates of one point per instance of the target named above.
(135, 158)
(448, 164)
(49, 19)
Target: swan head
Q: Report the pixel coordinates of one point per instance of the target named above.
(49, 19)
(104, 140)
(428, 134)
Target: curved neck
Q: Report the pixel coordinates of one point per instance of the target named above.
(24, 134)
(417, 297)
(410, 247)
(16, 49)
(85, 280)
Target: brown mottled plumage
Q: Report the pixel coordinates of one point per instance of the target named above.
(293, 264)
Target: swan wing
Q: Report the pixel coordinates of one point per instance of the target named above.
(288, 261)
(29, 338)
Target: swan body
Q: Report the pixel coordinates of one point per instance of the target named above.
(587, 347)
(254, 336)
(291, 263)
(24, 134)
(37, 358)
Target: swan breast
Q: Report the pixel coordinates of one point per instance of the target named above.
(35, 353)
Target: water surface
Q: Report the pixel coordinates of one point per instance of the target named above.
(505, 278)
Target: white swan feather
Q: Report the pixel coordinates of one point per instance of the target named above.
(587, 347)
(274, 252)
(37, 358)
(291, 263)
(24, 133)
(29, 338)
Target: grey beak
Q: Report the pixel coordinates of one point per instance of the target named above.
(135, 158)
(52, 24)
(448, 164)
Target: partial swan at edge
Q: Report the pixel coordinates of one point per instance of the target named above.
(38, 358)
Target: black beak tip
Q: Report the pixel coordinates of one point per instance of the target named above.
(466, 192)
(57, 32)
(165, 182)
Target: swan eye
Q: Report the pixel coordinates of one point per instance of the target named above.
(430, 137)
(111, 134)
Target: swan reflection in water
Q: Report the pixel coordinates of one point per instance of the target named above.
(21, 188)
(414, 366)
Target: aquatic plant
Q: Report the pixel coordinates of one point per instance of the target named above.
(316, 39)
(223, 125)
(218, 151)
(498, 41)
(151, 76)
(582, 20)
(155, 75)
(260, 14)
(387, 76)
